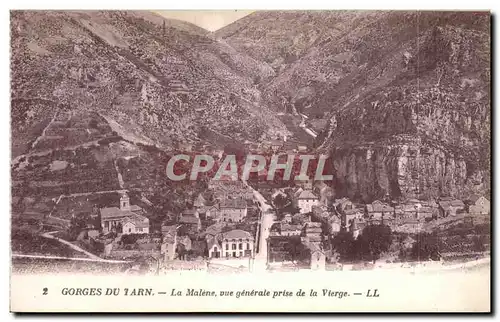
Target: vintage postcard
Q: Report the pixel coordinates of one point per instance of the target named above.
(243, 161)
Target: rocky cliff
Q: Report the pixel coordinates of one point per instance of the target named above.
(406, 96)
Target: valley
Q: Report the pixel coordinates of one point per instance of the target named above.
(399, 102)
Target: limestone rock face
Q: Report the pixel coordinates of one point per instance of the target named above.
(406, 94)
(426, 132)
(404, 171)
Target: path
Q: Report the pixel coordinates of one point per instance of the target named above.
(69, 258)
(266, 221)
(296, 125)
(48, 151)
(44, 130)
(80, 194)
(119, 175)
(78, 249)
(309, 131)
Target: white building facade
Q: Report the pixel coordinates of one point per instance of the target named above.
(237, 243)
(306, 200)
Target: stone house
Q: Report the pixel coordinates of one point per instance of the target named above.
(343, 204)
(479, 205)
(168, 247)
(208, 212)
(352, 214)
(190, 218)
(335, 224)
(290, 230)
(168, 230)
(379, 210)
(312, 231)
(214, 247)
(135, 224)
(287, 219)
(232, 210)
(317, 257)
(355, 228)
(450, 207)
(199, 201)
(237, 243)
(306, 200)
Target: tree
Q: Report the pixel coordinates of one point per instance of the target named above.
(296, 250)
(280, 201)
(374, 240)
(181, 251)
(256, 80)
(93, 123)
(226, 228)
(77, 223)
(343, 243)
(299, 219)
(478, 243)
(426, 247)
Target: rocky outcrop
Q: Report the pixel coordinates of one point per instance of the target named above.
(426, 132)
(406, 94)
(404, 170)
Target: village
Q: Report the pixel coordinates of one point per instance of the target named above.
(242, 226)
(247, 223)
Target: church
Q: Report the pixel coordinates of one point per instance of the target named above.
(127, 219)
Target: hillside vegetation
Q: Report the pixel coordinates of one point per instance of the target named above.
(158, 81)
(405, 95)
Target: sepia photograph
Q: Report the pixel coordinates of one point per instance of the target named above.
(211, 156)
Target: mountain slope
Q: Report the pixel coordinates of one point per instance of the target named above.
(160, 81)
(404, 97)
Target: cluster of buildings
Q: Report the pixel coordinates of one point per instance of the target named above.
(275, 145)
(338, 213)
(297, 242)
(225, 205)
(320, 217)
(230, 203)
(210, 227)
(235, 243)
(205, 229)
(279, 145)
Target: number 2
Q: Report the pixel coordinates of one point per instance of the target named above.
(45, 291)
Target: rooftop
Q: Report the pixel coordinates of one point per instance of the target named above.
(379, 207)
(135, 208)
(233, 203)
(313, 225)
(189, 219)
(353, 211)
(475, 198)
(138, 220)
(168, 229)
(215, 228)
(213, 241)
(189, 212)
(115, 212)
(307, 194)
(288, 227)
(237, 234)
(451, 203)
